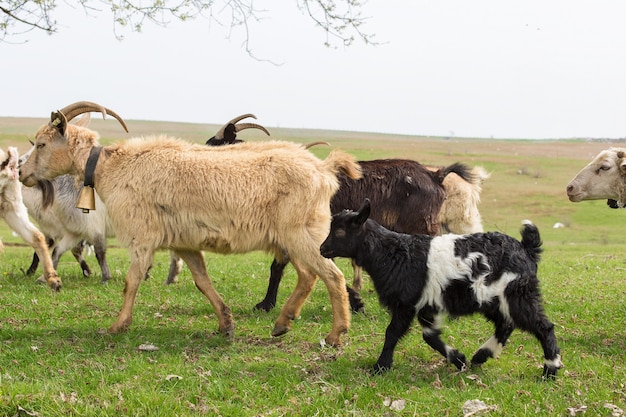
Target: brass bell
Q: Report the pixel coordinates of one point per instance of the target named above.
(86, 199)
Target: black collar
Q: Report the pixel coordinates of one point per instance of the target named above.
(90, 166)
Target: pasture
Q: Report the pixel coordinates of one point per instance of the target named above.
(56, 358)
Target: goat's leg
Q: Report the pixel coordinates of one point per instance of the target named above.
(431, 320)
(293, 305)
(335, 283)
(195, 262)
(140, 261)
(544, 332)
(354, 293)
(100, 247)
(176, 266)
(401, 318)
(537, 323)
(357, 281)
(35, 262)
(77, 252)
(276, 274)
(18, 221)
(493, 347)
(528, 315)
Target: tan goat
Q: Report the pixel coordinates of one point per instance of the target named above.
(165, 193)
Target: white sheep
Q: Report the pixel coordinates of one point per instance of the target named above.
(603, 178)
(272, 196)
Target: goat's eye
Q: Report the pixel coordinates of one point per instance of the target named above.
(340, 233)
(40, 145)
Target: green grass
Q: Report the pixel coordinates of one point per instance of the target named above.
(56, 358)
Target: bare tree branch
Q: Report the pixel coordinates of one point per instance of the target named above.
(341, 20)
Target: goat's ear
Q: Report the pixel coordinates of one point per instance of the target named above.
(58, 121)
(83, 121)
(363, 212)
(621, 163)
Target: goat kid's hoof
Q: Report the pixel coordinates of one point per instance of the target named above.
(549, 373)
(280, 330)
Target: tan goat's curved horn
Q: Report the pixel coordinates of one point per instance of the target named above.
(80, 107)
(220, 133)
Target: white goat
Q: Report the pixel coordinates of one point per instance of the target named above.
(67, 226)
(13, 211)
(272, 196)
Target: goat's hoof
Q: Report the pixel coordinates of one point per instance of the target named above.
(549, 373)
(119, 328)
(54, 283)
(264, 306)
(228, 333)
(333, 341)
(457, 359)
(379, 369)
(280, 330)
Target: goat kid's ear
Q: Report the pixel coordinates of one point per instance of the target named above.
(363, 212)
(58, 121)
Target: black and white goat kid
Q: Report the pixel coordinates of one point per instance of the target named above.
(428, 277)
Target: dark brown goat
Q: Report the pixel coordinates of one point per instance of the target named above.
(405, 197)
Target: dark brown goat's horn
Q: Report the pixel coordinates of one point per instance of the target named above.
(310, 145)
(81, 107)
(220, 133)
(243, 126)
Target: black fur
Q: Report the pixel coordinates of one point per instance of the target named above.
(230, 137)
(502, 267)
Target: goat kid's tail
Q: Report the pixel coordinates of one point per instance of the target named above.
(338, 161)
(531, 241)
(459, 169)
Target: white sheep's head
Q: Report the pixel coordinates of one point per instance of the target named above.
(603, 178)
(51, 155)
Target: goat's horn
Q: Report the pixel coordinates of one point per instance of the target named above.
(220, 133)
(243, 126)
(310, 145)
(80, 107)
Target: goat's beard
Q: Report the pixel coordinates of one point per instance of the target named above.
(47, 192)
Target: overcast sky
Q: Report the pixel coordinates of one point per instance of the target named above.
(523, 69)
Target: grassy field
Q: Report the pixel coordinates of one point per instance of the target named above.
(56, 358)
